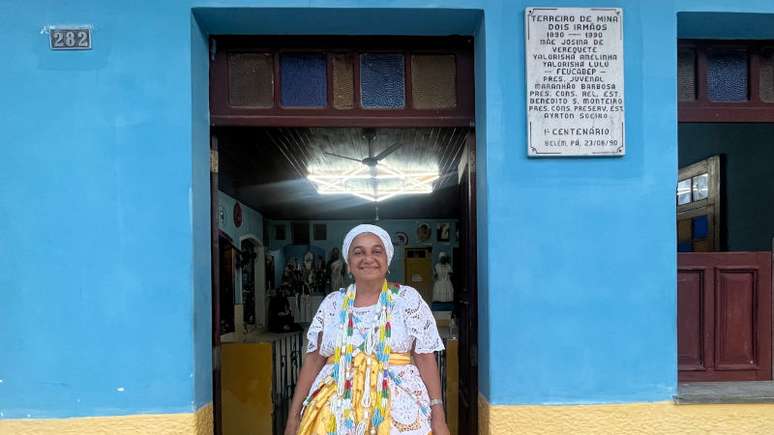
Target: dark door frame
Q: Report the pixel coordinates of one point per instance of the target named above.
(215, 272)
(467, 298)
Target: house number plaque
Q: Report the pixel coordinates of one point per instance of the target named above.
(70, 38)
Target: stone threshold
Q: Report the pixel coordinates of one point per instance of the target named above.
(725, 392)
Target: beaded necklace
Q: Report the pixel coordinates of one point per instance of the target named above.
(341, 406)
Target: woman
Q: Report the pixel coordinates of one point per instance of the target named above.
(370, 364)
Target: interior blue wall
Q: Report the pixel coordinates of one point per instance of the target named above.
(337, 230)
(252, 220)
(252, 225)
(103, 263)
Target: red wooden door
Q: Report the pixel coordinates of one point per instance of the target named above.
(724, 316)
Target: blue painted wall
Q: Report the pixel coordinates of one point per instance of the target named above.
(200, 217)
(104, 253)
(96, 252)
(104, 263)
(581, 280)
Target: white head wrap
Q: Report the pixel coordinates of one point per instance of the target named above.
(367, 228)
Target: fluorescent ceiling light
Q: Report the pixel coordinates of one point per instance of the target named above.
(375, 183)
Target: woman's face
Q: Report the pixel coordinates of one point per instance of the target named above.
(367, 258)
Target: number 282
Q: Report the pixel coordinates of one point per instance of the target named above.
(70, 39)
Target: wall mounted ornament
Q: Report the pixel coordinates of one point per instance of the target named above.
(237, 215)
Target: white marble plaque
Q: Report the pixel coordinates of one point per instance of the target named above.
(575, 82)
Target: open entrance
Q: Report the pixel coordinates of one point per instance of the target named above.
(725, 221)
(311, 137)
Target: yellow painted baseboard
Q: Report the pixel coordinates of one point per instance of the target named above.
(641, 418)
(195, 423)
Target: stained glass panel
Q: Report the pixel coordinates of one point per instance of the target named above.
(382, 81)
(303, 80)
(727, 75)
(433, 81)
(251, 80)
(686, 74)
(700, 227)
(767, 75)
(343, 82)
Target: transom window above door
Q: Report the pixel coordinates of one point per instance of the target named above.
(725, 81)
(327, 81)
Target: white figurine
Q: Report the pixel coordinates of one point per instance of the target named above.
(443, 290)
(308, 269)
(337, 273)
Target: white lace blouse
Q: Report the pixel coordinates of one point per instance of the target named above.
(413, 328)
(413, 324)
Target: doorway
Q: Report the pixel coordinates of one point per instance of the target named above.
(286, 110)
(724, 229)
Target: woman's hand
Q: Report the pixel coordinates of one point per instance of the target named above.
(438, 424)
(294, 420)
(313, 363)
(428, 370)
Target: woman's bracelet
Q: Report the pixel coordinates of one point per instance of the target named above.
(436, 402)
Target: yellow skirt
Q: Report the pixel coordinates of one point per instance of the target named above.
(316, 418)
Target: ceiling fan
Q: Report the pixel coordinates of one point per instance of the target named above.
(371, 180)
(372, 160)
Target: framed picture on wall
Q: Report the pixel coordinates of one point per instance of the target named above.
(320, 232)
(299, 233)
(442, 232)
(279, 232)
(400, 239)
(424, 232)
